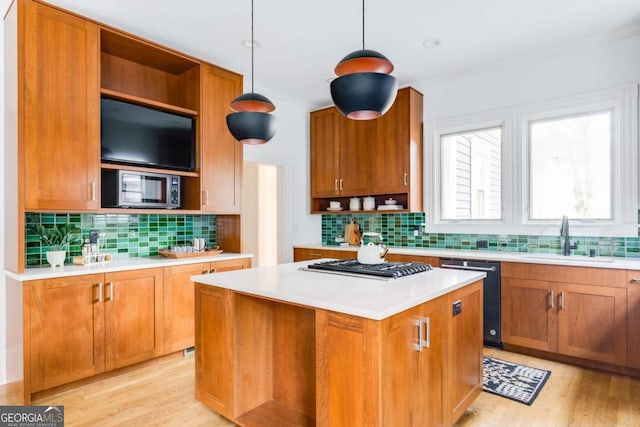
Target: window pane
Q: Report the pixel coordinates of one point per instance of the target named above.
(570, 168)
(471, 175)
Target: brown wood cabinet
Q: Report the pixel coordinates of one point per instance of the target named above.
(66, 330)
(381, 158)
(574, 311)
(81, 326)
(633, 318)
(221, 155)
(305, 254)
(431, 260)
(463, 365)
(133, 316)
(60, 65)
(60, 110)
(259, 360)
(412, 380)
(179, 311)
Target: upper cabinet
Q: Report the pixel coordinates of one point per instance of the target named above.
(221, 155)
(60, 110)
(380, 158)
(337, 147)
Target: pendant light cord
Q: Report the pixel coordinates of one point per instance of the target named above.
(362, 24)
(252, 46)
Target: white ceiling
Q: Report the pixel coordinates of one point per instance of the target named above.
(302, 41)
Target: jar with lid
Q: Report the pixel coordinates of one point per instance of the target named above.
(354, 204)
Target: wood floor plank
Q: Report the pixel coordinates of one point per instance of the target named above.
(164, 395)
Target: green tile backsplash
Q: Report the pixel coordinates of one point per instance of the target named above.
(128, 235)
(398, 230)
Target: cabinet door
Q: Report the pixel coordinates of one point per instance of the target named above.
(133, 316)
(220, 153)
(412, 377)
(633, 319)
(324, 152)
(61, 110)
(391, 148)
(215, 362)
(463, 364)
(179, 305)
(592, 322)
(66, 330)
(230, 265)
(528, 314)
(356, 152)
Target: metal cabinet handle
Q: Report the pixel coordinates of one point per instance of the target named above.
(335, 185)
(341, 184)
(100, 290)
(92, 191)
(110, 285)
(467, 267)
(426, 342)
(315, 254)
(551, 299)
(417, 346)
(635, 280)
(561, 303)
(205, 197)
(424, 333)
(405, 179)
(205, 271)
(213, 270)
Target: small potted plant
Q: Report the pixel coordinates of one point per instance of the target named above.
(56, 238)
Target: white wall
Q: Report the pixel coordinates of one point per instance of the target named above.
(289, 149)
(4, 5)
(543, 76)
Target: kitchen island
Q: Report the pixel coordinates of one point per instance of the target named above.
(284, 346)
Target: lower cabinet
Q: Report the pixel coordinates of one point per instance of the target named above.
(81, 326)
(633, 318)
(259, 361)
(567, 310)
(179, 325)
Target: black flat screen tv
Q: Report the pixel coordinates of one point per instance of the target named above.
(135, 135)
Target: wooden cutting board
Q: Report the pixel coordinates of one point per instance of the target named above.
(352, 233)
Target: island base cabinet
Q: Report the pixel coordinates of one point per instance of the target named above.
(463, 352)
(261, 362)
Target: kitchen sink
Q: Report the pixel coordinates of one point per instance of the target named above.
(570, 258)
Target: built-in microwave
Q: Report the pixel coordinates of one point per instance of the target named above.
(133, 189)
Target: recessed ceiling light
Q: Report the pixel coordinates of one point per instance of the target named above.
(249, 44)
(431, 43)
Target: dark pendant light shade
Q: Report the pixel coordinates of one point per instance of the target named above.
(252, 127)
(251, 123)
(364, 88)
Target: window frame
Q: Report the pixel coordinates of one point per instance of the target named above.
(621, 101)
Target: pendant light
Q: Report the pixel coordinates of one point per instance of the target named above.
(364, 89)
(251, 123)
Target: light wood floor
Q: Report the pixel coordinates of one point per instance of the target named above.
(163, 395)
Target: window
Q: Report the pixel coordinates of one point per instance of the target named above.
(471, 175)
(519, 170)
(570, 167)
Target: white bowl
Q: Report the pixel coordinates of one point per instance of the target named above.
(390, 202)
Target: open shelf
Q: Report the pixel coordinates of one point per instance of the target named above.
(273, 413)
(147, 102)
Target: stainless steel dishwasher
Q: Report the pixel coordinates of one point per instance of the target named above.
(491, 295)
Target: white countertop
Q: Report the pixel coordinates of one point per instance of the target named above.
(364, 297)
(533, 258)
(122, 264)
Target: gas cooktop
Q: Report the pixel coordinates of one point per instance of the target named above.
(386, 270)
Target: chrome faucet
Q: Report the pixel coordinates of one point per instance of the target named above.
(567, 246)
